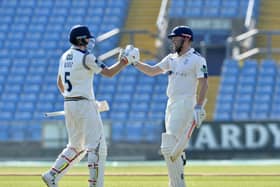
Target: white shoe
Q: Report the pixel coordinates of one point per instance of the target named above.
(49, 180)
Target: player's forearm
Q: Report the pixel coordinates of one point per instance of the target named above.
(60, 85)
(203, 87)
(148, 69)
(114, 69)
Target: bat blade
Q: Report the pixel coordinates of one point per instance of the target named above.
(52, 114)
(102, 106)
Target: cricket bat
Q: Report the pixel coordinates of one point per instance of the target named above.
(181, 144)
(102, 106)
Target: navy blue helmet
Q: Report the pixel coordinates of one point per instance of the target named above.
(79, 32)
(181, 30)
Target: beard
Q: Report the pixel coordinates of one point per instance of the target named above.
(178, 48)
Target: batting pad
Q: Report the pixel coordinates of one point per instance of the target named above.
(175, 168)
(102, 160)
(66, 160)
(96, 165)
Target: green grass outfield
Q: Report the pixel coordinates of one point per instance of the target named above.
(151, 175)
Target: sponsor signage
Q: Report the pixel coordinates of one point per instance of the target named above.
(236, 136)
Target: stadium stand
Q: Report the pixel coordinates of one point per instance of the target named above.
(248, 92)
(29, 67)
(202, 10)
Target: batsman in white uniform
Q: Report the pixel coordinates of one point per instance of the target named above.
(187, 71)
(83, 123)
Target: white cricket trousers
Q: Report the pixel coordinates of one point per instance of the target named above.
(83, 124)
(179, 114)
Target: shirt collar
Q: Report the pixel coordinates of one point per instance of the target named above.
(77, 48)
(188, 52)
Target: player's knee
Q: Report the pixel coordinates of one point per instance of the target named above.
(70, 153)
(167, 143)
(103, 150)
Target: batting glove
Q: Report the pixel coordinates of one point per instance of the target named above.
(132, 54)
(121, 54)
(199, 115)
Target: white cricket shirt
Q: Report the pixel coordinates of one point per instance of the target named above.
(183, 72)
(77, 74)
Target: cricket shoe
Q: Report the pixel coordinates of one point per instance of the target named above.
(49, 180)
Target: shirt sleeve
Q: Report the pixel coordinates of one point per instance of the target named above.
(60, 67)
(164, 64)
(92, 63)
(201, 68)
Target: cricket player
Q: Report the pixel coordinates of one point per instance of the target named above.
(187, 76)
(83, 122)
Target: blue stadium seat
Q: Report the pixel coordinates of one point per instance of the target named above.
(139, 106)
(194, 3)
(120, 106)
(33, 132)
(212, 3)
(211, 11)
(232, 3)
(152, 131)
(123, 97)
(107, 96)
(23, 106)
(224, 107)
(31, 88)
(44, 106)
(275, 111)
(230, 67)
(244, 97)
(29, 3)
(229, 79)
(7, 106)
(247, 88)
(6, 115)
(39, 20)
(4, 129)
(118, 131)
(261, 97)
(137, 115)
(19, 19)
(10, 5)
(157, 107)
(222, 116)
(23, 115)
(60, 4)
(160, 88)
(141, 97)
(16, 77)
(228, 12)
(241, 115)
(16, 132)
(45, 4)
(31, 60)
(242, 111)
(156, 115)
(28, 97)
(125, 88)
(10, 97)
(120, 4)
(134, 132)
(121, 116)
(192, 12)
(159, 97)
(260, 111)
(227, 89)
(250, 67)
(47, 97)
